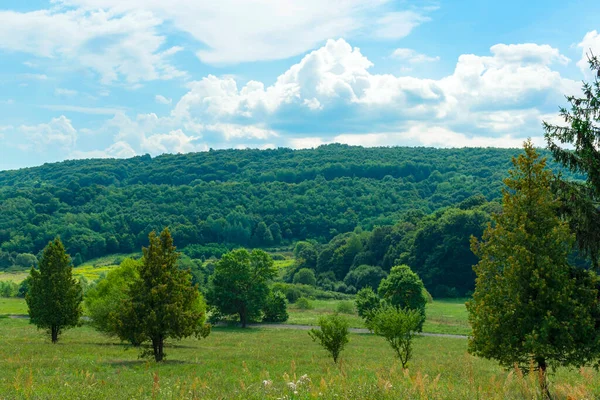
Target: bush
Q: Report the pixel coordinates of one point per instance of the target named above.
(305, 276)
(304, 304)
(333, 335)
(275, 309)
(345, 307)
(398, 327)
(8, 289)
(366, 303)
(404, 289)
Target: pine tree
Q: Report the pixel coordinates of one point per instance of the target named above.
(529, 304)
(54, 297)
(162, 303)
(575, 146)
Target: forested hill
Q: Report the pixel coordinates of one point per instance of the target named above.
(242, 197)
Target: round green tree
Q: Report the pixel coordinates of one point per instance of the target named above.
(529, 304)
(54, 297)
(239, 284)
(404, 289)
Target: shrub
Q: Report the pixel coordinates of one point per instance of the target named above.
(304, 304)
(305, 276)
(398, 327)
(333, 335)
(445, 292)
(366, 303)
(404, 289)
(8, 289)
(275, 309)
(345, 307)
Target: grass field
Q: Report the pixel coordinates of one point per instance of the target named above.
(443, 316)
(258, 364)
(12, 306)
(16, 277)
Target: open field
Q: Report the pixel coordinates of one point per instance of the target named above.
(443, 316)
(12, 306)
(16, 277)
(232, 363)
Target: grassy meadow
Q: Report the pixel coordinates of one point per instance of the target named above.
(443, 316)
(258, 364)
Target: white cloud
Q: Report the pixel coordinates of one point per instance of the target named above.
(113, 45)
(56, 134)
(237, 31)
(83, 110)
(7, 101)
(412, 57)
(116, 150)
(162, 99)
(590, 43)
(396, 25)
(33, 77)
(65, 92)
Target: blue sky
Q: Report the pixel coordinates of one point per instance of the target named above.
(108, 78)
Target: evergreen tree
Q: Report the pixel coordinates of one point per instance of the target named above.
(54, 297)
(529, 303)
(162, 303)
(575, 146)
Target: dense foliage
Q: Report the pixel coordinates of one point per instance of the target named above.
(530, 305)
(239, 284)
(161, 302)
(54, 297)
(241, 197)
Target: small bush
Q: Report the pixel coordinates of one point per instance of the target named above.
(445, 292)
(398, 327)
(345, 307)
(333, 335)
(275, 309)
(305, 276)
(304, 304)
(367, 302)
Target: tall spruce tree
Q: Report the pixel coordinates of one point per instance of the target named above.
(576, 146)
(529, 304)
(162, 303)
(54, 297)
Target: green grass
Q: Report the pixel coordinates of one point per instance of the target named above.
(16, 277)
(233, 363)
(12, 306)
(91, 272)
(443, 316)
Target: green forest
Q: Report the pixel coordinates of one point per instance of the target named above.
(355, 206)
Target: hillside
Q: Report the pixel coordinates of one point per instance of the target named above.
(242, 197)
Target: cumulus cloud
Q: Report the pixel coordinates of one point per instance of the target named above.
(113, 45)
(58, 134)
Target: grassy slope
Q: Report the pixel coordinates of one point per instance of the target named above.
(233, 363)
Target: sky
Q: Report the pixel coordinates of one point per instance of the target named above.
(112, 78)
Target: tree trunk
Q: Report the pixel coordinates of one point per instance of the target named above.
(243, 318)
(157, 347)
(54, 333)
(542, 367)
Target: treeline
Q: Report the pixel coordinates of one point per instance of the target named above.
(250, 198)
(436, 246)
